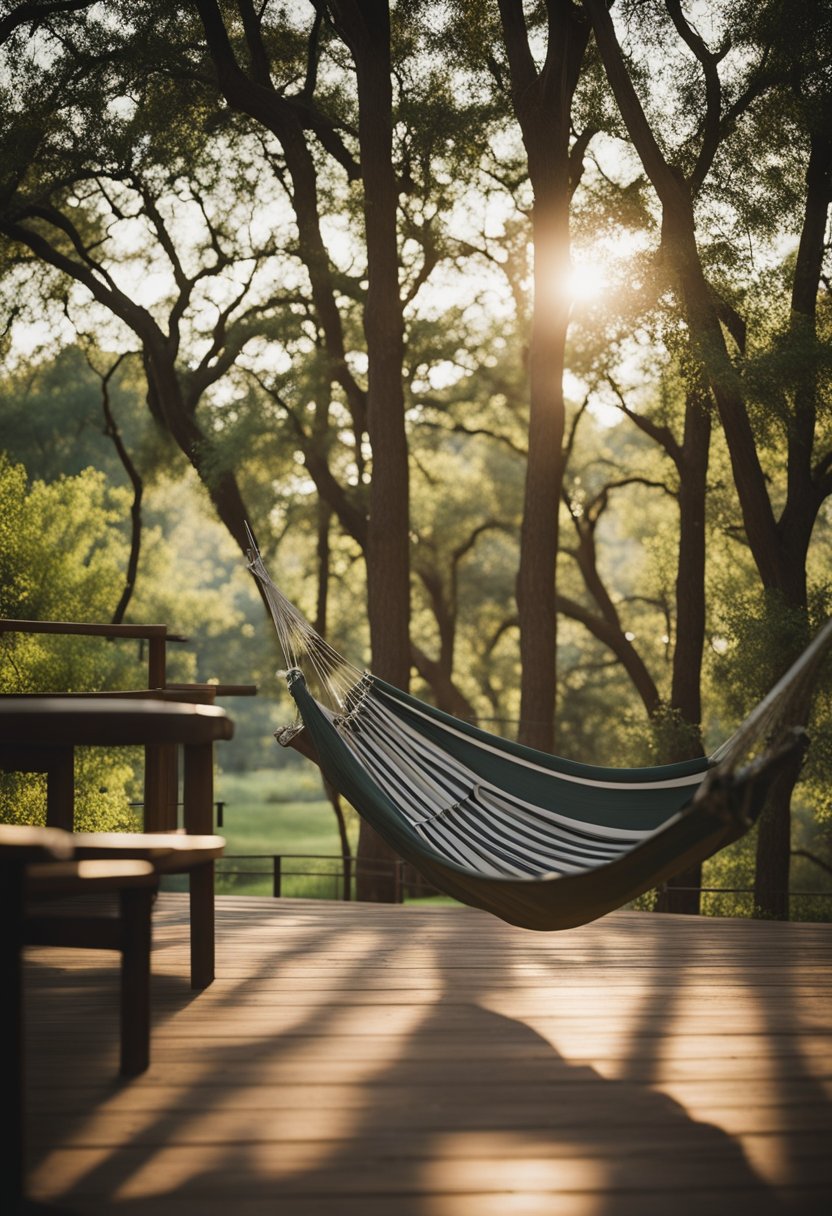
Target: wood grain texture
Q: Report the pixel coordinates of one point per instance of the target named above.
(355, 1059)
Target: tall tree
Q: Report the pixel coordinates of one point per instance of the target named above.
(782, 56)
(542, 101)
(365, 27)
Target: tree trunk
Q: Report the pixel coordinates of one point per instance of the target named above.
(539, 534)
(112, 431)
(168, 407)
(778, 547)
(682, 892)
(365, 27)
(542, 103)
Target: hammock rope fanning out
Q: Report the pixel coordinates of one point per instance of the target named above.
(538, 840)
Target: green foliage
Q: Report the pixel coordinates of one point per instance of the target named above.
(62, 555)
(105, 786)
(62, 549)
(764, 635)
(52, 419)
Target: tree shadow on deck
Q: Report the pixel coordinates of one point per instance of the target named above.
(423, 1104)
(795, 1083)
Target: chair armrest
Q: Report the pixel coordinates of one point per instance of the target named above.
(168, 851)
(56, 879)
(21, 843)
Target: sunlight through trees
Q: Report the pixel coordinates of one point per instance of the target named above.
(506, 325)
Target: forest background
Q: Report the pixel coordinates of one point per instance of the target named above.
(507, 326)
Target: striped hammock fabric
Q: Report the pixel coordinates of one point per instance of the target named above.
(540, 841)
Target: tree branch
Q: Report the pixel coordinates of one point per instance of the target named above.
(662, 435)
(713, 91)
(352, 519)
(666, 180)
(609, 632)
(813, 857)
(260, 67)
(37, 13)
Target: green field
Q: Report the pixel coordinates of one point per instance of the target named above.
(282, 811)
(278, 811)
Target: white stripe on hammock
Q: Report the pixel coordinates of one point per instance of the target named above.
(671, 783)
(428, 749)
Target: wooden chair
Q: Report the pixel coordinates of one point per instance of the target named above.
(36, 865)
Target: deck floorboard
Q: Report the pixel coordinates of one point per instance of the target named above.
(431, 1061)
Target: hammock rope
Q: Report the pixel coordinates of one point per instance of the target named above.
(538, 840)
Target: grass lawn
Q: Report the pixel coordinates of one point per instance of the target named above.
(278, 811)
(282, 811)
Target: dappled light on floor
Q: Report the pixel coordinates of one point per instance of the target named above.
(435, 1062)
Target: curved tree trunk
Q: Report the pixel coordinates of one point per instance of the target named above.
(778, 546)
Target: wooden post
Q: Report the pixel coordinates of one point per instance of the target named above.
(156, 661)
(60, 789)
(199, 811)
(276, 875)
(136, 904)
(161, 777)
(11, 1038)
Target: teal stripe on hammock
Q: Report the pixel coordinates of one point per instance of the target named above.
(424, 781)
(461, 808)
(534, 777)
(618, 809)
(422, 712)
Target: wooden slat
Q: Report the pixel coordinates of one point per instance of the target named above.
(89, 629)
(434, 1062)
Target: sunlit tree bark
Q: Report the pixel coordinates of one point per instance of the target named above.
(542, 102)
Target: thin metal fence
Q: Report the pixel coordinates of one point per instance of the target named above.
(315, 875)
(331, 876)
(803, 905)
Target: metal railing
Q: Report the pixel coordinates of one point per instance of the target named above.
(802, 901)
(309, 874)
(331, 876)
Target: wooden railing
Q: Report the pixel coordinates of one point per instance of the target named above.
(161, 775)
(156, 636)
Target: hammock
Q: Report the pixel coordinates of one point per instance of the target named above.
(540, 841)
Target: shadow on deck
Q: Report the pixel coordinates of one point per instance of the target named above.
(355, 1059)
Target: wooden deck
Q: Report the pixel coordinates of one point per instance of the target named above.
(354, 1060)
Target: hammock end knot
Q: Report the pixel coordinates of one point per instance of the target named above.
(285, 734)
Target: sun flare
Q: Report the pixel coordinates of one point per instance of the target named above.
(586, 281)
(601, 269)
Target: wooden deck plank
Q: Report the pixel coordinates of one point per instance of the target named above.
(436, 1062)
(756, 1200)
